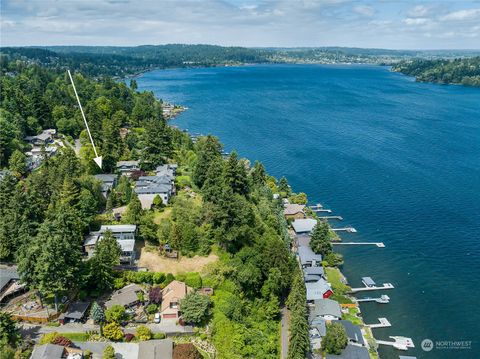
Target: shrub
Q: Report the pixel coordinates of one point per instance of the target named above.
(158, 277)
(48, 338)
(87, 354)
(116, 313)
(159, 335)
(193, 280)
(155, 295)
(186, 351)
(109, 352)
(113, 331)
(64, 342)
(119, 283)
(151, 309)
(129, 337)
(143, 333)
(168, 279)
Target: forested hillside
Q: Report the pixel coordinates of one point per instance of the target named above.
(223, 205)
(465, 71)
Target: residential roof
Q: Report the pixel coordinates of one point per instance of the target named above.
(320, 325)
(106, 177)
(127, 245)
(368, 281)
(119, 228)
(146, 199)
(6, 275)
(292, 209)
(91, 239)
(156, 349)
(354, 333)
(316, 290)
(156, 188)
(127, 163)
(47, 351)
(173, 292)
(314, 271)
(125, 296)
(76, 310)
(304, 225)
(307, 256)
(351, 352)
(325, 307)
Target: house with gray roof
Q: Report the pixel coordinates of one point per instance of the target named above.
(320, 289)
(126, 296)
(304, 225)
(351, 352)
(128, 167)
(108, 181)
(47, 351)
(42, 139)
(354, 332)
(308, 258)
(150, 349)
(10, 285)
(124, 234)
(75, 313)
(317, 271)
(326, 309)
(148, 187)
(318, 330)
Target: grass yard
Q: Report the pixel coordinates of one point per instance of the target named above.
(340, 289)
(78, 337)
(352, 316)
(159, 215)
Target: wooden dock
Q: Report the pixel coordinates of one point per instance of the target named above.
(383, 323)
(322, 210)
(378, 244)
(384, 299)
(345, 229)
(340, 218)
(400, 343)
(366, 289)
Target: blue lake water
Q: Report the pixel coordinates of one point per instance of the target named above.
(399, 160)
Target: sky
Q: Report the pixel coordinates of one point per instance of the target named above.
(392, 24)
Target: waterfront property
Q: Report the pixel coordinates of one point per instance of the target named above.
(354, 333)
(162, 185)
(351, 352)
(304, 225)
(125, 235)
(294, 211)
(108, 181)
(326, 309)
(126, 168)
(314, 271)
(308, 258)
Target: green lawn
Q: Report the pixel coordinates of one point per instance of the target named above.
(352, 316)
(79, 337)
(340, 289)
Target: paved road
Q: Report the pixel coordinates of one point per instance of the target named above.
(284, 331)
(35, 331)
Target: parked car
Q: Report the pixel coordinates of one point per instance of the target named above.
(157, 318)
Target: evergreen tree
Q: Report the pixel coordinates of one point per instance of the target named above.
(336, 339)
(98, 315)
(283, 187)
(208, 150)
(106, 256)
(17, 163)
(134, 210)
(320, 239)
(157, 144)
(214, 182)
(236, 175)
(259, 176)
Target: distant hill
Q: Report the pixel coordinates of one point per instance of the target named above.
(120, 61)
(465, 71)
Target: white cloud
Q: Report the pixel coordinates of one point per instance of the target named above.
(417, 21)
(419, 11)
(462, 15)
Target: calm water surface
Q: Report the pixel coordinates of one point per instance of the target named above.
(399, 160)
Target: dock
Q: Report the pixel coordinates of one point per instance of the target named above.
(400, 343)
(378, 244)
(365, 289)
(322, 210)
(383, 323)
(384, 299)
(316, 206)
(345, 229)
(340, 218)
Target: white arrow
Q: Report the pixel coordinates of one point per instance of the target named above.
(97, 159)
